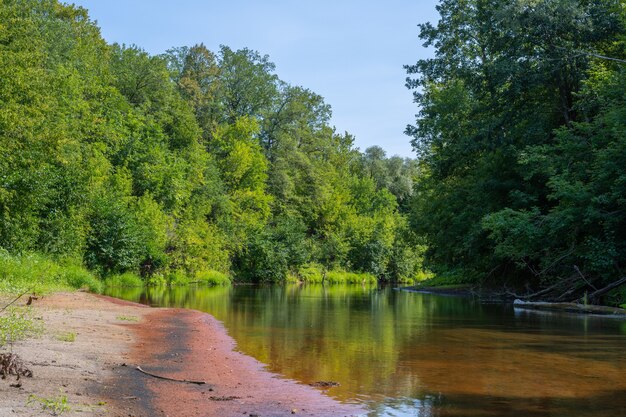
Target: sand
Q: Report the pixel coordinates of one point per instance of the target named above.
(97, 374)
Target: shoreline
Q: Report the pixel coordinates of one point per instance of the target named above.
(489, 297)
(97, 371)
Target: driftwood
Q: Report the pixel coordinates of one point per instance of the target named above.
(536, 294)
(225, 398)
(584, 279)
(169, 379)
(325, 384)
(602, 291)
(569, 290)
(570, 308)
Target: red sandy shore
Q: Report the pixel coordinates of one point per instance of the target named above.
(190, 345)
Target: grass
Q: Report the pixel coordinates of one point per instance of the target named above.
(420, 276)
(209, 277)
(212, 277)
(313, 273)
(67, 337)
(17, 323)
(128, 318)
(449, 279)
(56, 405)
(127, 280)
(344, 277)
(42, 274)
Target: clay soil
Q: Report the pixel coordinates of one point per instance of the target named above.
(97, 372)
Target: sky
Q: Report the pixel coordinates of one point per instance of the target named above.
(351, 52)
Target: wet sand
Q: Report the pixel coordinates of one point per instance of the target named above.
(98, 376)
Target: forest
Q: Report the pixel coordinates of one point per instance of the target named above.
(191, 165)
(200, 165)
(521, 142)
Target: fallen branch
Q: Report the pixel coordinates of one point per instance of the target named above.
(606, 289)
(229, 398)
(584, 279)
(169, 379)
(536, 294)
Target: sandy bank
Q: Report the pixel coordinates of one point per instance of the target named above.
(96, 371)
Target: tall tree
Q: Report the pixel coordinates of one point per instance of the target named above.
(506, 77)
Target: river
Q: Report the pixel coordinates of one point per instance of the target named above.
(421, 355)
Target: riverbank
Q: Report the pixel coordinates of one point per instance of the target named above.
(91, 345)
(487, 296)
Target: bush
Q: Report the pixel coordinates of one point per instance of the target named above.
(78, 276)
(311, 273)
(292, 278)
(16, 324)
(343, 277)
(155, 280)
(177, 277)
(212, 277)
(127, 279)
(41, 274)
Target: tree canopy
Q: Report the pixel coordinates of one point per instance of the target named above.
(182, 163)
(520, 137)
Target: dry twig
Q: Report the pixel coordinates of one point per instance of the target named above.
(169, 379)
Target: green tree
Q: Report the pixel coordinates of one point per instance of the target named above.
(502, 92)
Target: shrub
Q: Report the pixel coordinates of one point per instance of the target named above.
(212, 277)
(41, 274)
(311, 273)
(16, 324)
(155, 280)
(343, 277)
(78, 276)
(127, 279)
(178, 277)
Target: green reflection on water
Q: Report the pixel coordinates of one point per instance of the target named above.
(416, 354)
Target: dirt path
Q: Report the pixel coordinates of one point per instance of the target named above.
(176, 343)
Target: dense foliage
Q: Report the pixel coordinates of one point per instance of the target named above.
(192, 163)
(521, 138)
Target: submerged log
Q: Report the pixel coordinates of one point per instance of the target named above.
(570, 308)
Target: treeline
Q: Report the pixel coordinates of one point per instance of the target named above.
(521, 138)
(179, 165)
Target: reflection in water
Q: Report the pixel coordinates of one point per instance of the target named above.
(407, 354)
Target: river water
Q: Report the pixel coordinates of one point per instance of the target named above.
(407, 354)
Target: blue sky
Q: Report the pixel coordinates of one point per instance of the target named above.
(350, 52)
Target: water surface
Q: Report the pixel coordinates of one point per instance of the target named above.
(407, 354)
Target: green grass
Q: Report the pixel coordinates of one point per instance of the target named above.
(67, 337)
(41, 274)
(344, 277)
(128, 318)
(313, 273)
(420, 276)
(292, 278)
(127, 280)
(212, 277)
(209, 277)
(17, 323)
(56, 405)
(451, 278)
